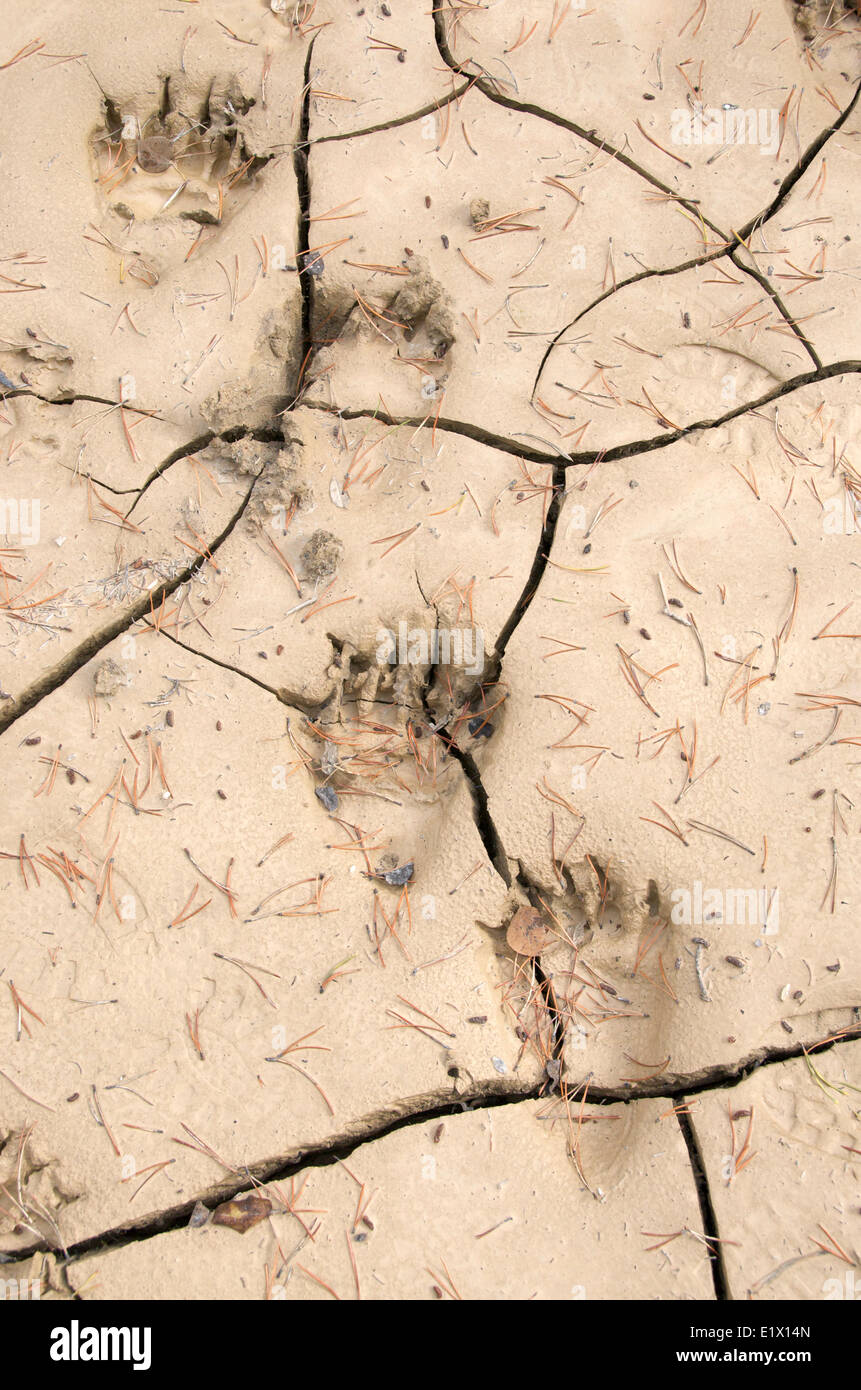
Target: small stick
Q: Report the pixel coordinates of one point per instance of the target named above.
(243, 966)
(676, 157)
(201, 1147)
(194, 1032)
(103, 1122)
(184, 915)
(352, 1255)
(222, 887)
(284, 1062)
(321, 1282)
(27, 1096)
(721, 834)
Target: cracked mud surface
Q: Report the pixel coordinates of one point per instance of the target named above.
(428, 687)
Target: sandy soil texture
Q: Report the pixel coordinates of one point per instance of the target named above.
(429, 703)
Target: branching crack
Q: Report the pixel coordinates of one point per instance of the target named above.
(707, 1211)
(430, 109)
(96, 641)
(486, 85)
(619, 451)
(303, 256)
(291, 698)
(424, 1109)
(195, 446)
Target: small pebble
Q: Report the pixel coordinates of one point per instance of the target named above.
(199, 1215)
(398, 877)
(480, 727)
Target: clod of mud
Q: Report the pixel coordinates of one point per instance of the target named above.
(109, 677)
(321, 555)
(420, 303)
(422, 300)
(280, 488)
(813, 15)
(201, 217)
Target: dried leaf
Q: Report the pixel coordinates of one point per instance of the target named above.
(241, 1213)
(528, 933)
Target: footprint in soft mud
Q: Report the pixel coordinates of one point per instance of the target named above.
(570, 943)
(188, 159)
